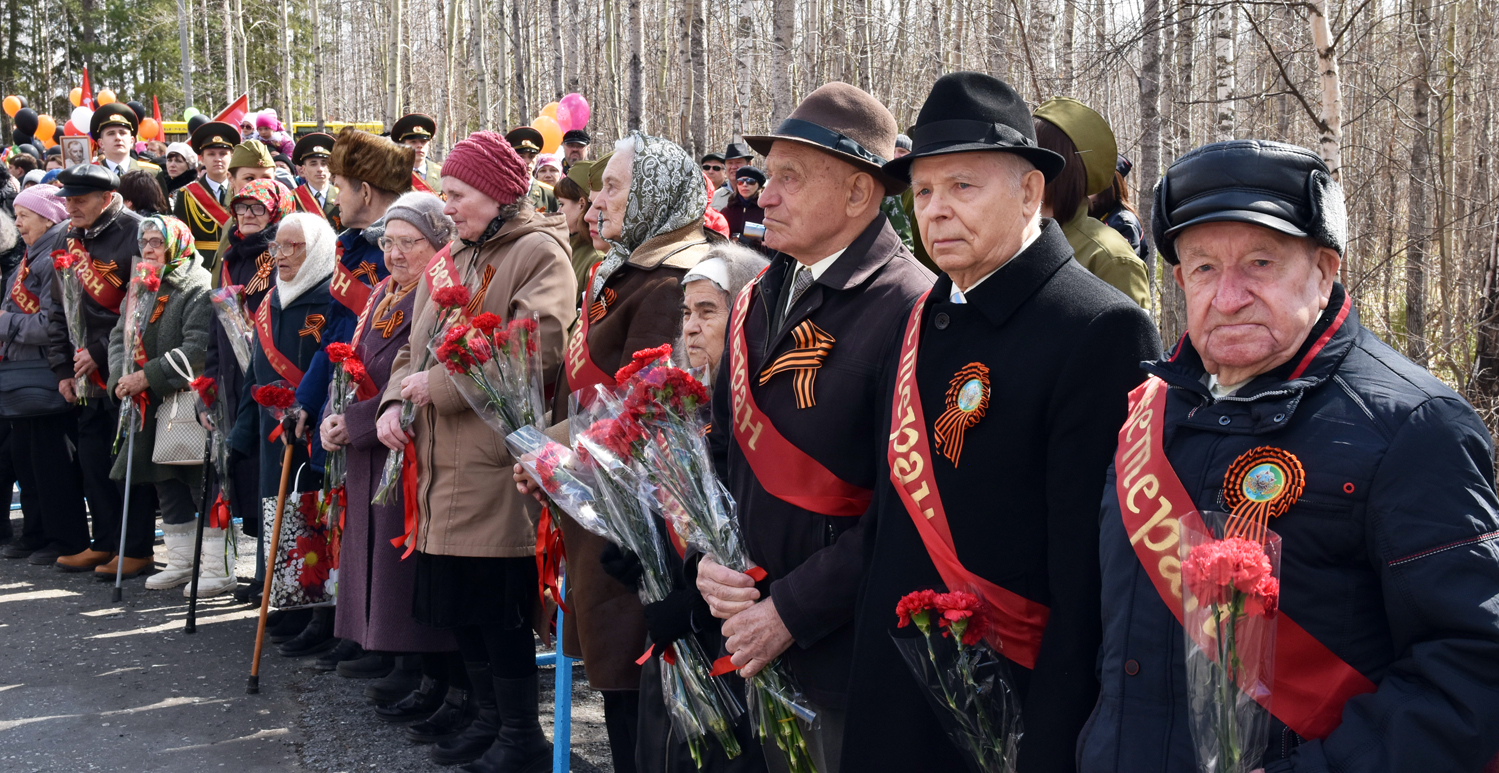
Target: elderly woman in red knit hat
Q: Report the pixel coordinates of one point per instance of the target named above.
(475, 534)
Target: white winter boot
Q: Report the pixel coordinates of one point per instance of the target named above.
(179, 539)
(216, 573)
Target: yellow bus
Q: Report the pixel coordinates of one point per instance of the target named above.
(176, 131)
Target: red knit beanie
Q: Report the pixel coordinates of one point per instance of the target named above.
(487, 162)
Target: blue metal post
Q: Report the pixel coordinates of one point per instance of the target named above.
(562, 695)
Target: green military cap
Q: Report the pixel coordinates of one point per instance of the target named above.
(112, 114)
(413, 127)
(314, 145)
(579, 172)
(1090, 133)
(596, 173)
(525, 138)
(250, 153)
(214, 134)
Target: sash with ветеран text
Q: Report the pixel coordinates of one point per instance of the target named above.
(1311, 682)
(1017, 623)
(582, 373)
(280, 362)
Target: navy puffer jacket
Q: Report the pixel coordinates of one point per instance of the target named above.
(1391, 560)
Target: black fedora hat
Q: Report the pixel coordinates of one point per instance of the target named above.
(970, 111)
(845, 122)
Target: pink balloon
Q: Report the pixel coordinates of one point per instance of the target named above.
(564, 118)
(577, 109)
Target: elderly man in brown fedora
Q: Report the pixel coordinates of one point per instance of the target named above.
(809, 345)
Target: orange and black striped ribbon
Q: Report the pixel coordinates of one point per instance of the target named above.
(387, 326)
(477, 302)
(107, 270)
(313, 326)
(367, 269)
(812, 347)
(161, 305)
(601, 306)
(262, 278)
(954, 421)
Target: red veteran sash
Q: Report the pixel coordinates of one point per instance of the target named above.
(347, 288)
(98, 279)
(369, 308)
(25, 299)
(308, 202)
(781, 468)
(207, 202)
(280, 362)
(582, 373)
(1311, 683)
(417, 183)
(1018, 623)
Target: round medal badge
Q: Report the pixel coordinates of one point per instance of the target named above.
(970, 396)
(1264, 483)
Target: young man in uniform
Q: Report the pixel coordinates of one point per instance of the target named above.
(317, 193)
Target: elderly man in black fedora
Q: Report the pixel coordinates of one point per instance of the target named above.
(1004, 391)
(1376, 476)
(809, 344)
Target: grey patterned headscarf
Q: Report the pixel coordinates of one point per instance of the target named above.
(667, 192)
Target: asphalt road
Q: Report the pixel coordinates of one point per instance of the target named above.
(88, 684)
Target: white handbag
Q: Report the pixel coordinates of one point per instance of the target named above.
(179, 436)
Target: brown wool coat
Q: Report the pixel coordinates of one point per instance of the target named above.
(467, 502)
(606, 627)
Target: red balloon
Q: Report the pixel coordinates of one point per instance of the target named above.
(70, 130)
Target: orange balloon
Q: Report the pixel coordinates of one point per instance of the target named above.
(551, 133)
(549, 111)
(47, 142)
(76, 96)
(105, 97)
(148, 130)
(12, 106)
(46, 126)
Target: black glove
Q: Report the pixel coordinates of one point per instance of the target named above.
(621, 564)
(671, 618)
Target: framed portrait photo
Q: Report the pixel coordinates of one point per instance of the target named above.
(76, 150)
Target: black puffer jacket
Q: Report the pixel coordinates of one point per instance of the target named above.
(1390, 560)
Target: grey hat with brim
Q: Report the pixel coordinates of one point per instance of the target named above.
(846, 123)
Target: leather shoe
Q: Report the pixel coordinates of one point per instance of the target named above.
(286, 628)
(46, 556)
(342, 652)
(316, 637)
(22, 548)
(369, 665)
(85, 561)
(134, 567)
(418, 704)
(249, 593)
(447, 722)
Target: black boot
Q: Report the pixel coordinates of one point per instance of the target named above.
(521, 746)
(480, 734)
(291, 623)
(344, 651)
(315, 638)
(404, 675)
(418, 704)
(455, 714)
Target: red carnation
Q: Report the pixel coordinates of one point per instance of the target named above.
(480, 349)
(62, 260)
(355, 370)
(207, 389)
(641, 359)
(487, 322)
(276, 397)
(338, 351)
(454, 357)
(1214, 570)
(914, 603)
(455, 333)
(453, 297)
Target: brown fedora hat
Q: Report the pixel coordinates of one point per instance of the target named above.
(847, 123)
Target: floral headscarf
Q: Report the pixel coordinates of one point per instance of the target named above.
(180, 245)
(270, 193)
(666, 193)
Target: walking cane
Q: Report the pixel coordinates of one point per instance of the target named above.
(288, 425)
(125, 511)
(204, 511)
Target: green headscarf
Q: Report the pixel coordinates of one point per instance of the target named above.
(666, 194)
(178, 237)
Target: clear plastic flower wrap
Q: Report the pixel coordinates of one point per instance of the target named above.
(496, 368)
(219, 516)
(140, 300)
(63, 264)
(238, 328)
(941, 638)
(1230, 595)
(565, 479)
(343, 387)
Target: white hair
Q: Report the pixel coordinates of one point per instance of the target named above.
(321, 255)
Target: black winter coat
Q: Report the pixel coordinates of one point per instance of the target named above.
(815, 561)
(1390, 559)
(1063, 350)
(113, 238)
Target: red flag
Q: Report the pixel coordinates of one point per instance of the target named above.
(235, 112)
(88, 92)
(156, 110)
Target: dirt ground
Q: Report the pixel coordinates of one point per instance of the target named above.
(88, 684)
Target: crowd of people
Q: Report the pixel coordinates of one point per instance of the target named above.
(888, 323)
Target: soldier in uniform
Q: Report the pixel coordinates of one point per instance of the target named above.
(204, 202)
(113, 129)
(415, 131)
(317, 193)
(527, 143)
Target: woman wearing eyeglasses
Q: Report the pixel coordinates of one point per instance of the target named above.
(176, 327)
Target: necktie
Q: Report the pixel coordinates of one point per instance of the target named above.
(799, 285)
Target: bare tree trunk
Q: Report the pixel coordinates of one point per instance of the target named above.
(1416, 208)
(783, 29)
(698, 50)
(743, 30)
(522, 97)
(476, 35)
(636, 68)
(998, 45)
(284, 36)
(1150, 107)
(863, 54)
(1044, 45)
(1332, 89)
(555, 8)
(184, 39)
(393, 82)
(1185, 52)
(1224, 23)
(229, 94)
(449, 59)
(574, 82)
(1069, 39)
(318, 92)
(244, 45)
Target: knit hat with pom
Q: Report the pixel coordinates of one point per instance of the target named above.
(488, 163)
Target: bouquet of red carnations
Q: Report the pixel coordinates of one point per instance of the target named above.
(140, 298)
(279, 399)
(63, 263)
(968, 684)
(230, 309)
(349, 382)
(218, 513)
(449, 302)
(1230, 594)
(496, 368)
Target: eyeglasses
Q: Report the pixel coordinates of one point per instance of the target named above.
(290, 248)
(255, 209)
(712, 168)
(153, 244)
(403, 244)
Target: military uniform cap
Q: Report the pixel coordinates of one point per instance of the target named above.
(112, 114)
(83, 179)
(579, 173)
(413, 127)
(596, 173)
(250, 153)
(576, 136)
(1090, 133)
(315, 145)
(214, 134)
(525, 138)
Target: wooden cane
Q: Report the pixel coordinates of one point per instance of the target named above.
(253, 686)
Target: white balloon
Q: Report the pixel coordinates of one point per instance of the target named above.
(81, 117)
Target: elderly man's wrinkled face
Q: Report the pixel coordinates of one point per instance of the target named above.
(974, 209)
(606, 215)
(1253, 295)
(705, 314)
(84, 210)
(811, 199)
